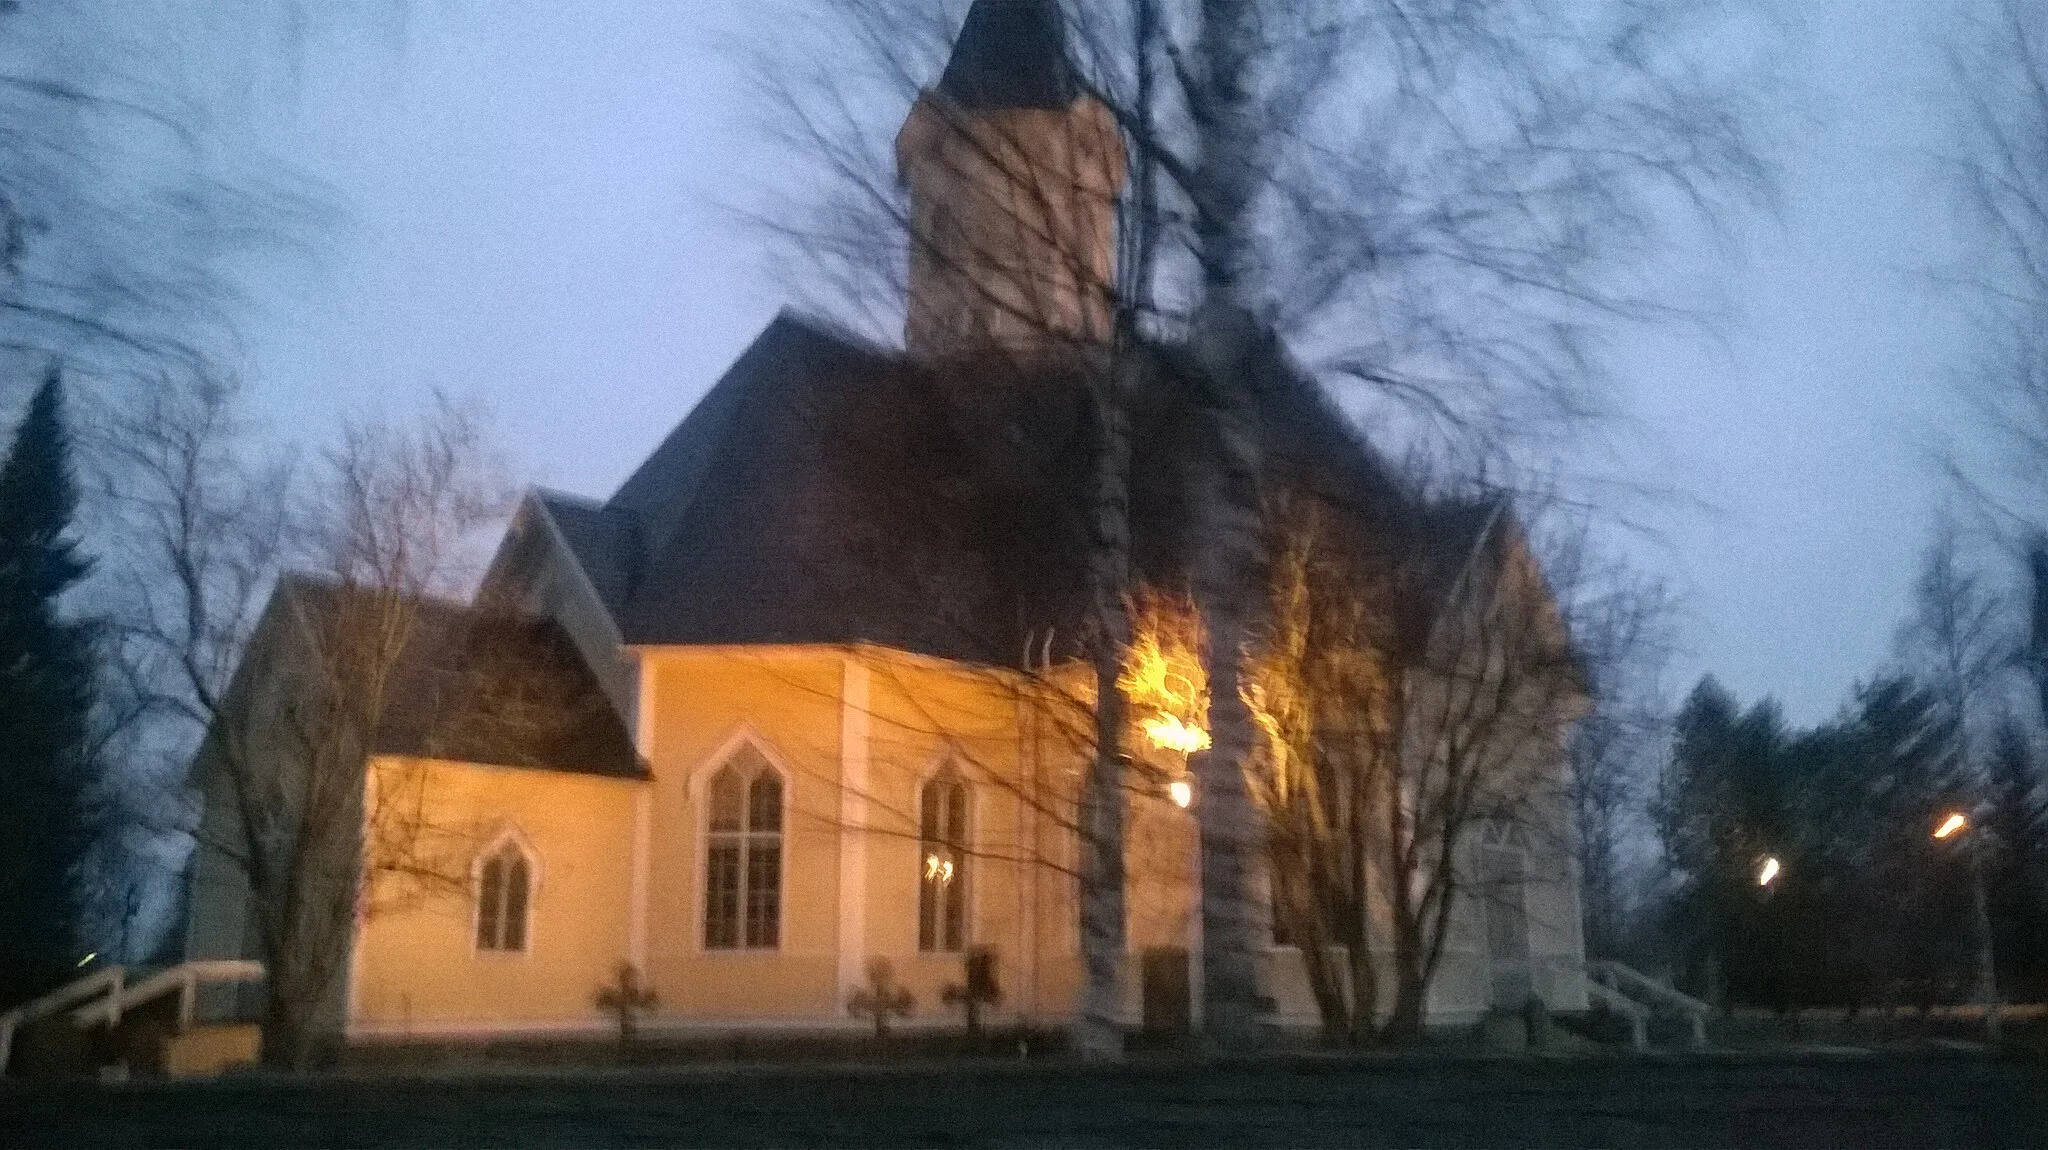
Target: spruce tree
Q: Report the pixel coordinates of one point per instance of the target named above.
(46, 691)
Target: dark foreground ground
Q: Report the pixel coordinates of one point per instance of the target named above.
(1893, 1100)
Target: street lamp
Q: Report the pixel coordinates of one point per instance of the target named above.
(1768, 872)
(1954, 825)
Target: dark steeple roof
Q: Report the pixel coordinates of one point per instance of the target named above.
(1011, 54)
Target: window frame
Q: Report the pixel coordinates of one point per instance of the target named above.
(704, 779)
(947, 773)
(509, 840)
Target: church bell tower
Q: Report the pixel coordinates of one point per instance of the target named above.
(1013, 172)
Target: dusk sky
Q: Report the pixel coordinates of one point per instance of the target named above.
(532, 208)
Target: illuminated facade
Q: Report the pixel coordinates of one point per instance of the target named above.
(834, 618)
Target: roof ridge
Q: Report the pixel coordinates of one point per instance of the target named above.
(556, 494)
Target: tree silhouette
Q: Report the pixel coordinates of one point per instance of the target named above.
(46, 671)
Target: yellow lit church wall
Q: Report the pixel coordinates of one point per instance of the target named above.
(932, 719)
(854, 734)
(700, 707)
(417, 966)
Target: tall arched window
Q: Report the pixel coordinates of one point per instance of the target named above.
(504, 895)
(743, 856)
(942, 864)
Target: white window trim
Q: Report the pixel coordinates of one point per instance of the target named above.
(698, 794)
(513, 837)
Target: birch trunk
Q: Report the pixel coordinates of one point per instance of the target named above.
(1100, 1035)
(1225, 486)
(1226, 505)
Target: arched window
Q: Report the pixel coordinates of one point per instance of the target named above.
(942, 864)
(1504, 893)
(743, 856)
(504, 897)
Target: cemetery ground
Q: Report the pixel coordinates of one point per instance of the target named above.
(1930, 1093)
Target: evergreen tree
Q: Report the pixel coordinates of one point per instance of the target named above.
(46, 673)
(2018, 824)
(1897, 902)
(1724, 806)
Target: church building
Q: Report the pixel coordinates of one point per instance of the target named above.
(824, 647)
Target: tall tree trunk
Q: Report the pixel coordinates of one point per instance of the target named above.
(1100, 1035)
(1411, 990)
(1404, 917)
(1103, 923)
(1297, 903)
(291, 997)
(1326, 983)
(1226, 505)
(1365, 992)
(1365, 981)
(1225, 489)
(287, 1041)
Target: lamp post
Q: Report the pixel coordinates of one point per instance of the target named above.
(1957, 825)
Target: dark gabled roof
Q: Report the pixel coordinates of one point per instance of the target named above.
(827, 491)
(480, 686)
(1011, 54)
(836, 493)
(605, 541)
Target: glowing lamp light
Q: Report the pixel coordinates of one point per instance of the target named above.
(1770, 871)
(937, 869)
(1181, 792)
(1168, 733)
(88, 958)
(1951, 825)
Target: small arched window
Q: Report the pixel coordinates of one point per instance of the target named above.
(504, 898)
(942, 864)
(743, 856)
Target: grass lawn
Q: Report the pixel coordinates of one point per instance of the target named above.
(1923, 1099)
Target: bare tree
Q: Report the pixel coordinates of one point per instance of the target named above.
(1959, 638)
(1438, 202)
(2000, 170)
(1321, 689)
(289, 680)
(1404, 165)
(1621, 629)
(1395, 735)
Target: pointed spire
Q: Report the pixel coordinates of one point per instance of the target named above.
(1012, 54)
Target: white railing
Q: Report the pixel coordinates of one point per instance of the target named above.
(106, 995)
(185, 978)
(105, 980)
(1648, 994)
(1628, 1008)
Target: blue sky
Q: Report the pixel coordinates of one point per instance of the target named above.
(532, 209)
